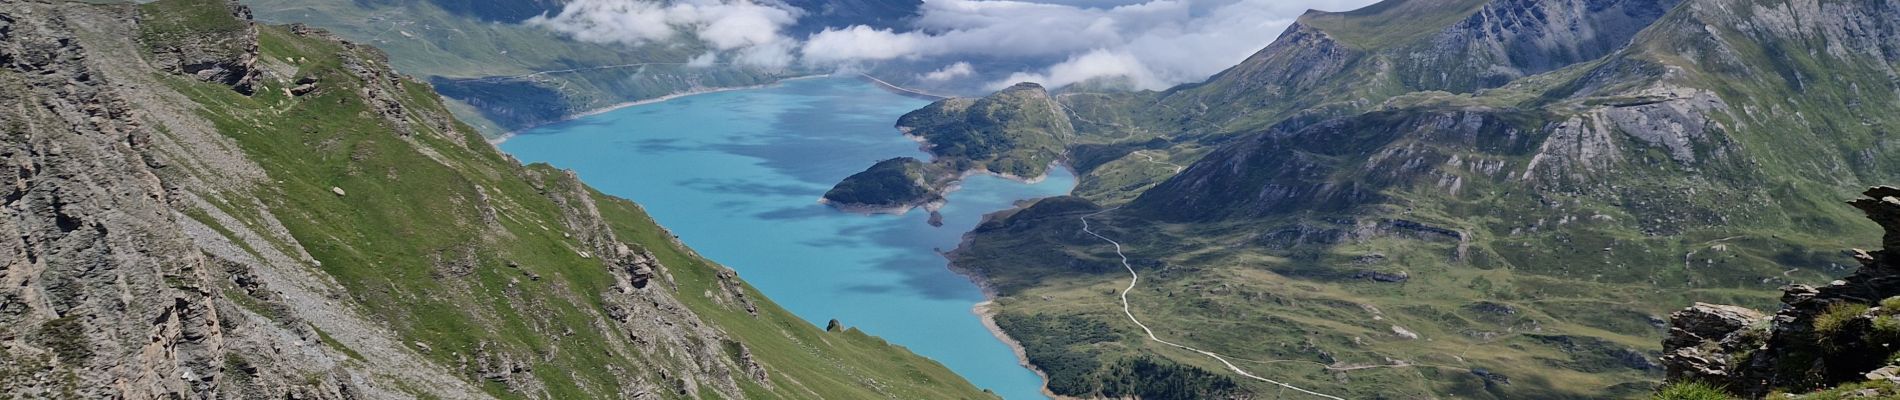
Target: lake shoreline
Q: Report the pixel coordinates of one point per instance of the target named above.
(986, 310)
(673, 96)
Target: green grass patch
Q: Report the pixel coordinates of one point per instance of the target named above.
(1832, 321)
(1690, 391)
(329, 341)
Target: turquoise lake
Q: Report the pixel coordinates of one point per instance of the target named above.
(738, 174)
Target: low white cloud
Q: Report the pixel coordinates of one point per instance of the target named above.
(703, 60)
(1152, 43)
(1094, 64)
(629, 22)
(749, 29)
(953, 71)
(861, 43)
(775, 54)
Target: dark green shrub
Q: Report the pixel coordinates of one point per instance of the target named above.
(1830, 323)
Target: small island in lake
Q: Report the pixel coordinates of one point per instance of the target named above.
(890, 186)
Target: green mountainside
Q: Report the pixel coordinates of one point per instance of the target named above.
(204, 207)
(1017, 131)
(1489, 199)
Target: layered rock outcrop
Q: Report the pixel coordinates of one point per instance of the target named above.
(213, 44)
(1842, 332)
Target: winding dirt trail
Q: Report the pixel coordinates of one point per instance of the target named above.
(1151, 158)
(1135, 278)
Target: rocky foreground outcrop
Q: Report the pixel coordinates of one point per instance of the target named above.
(1846, 331)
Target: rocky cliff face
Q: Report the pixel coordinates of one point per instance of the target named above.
(1680, 101)
(1341, 63)
(1294, 167)
(222, 51)
(1511, 39)
(106, 295)
(203, 207)
(1842, 332)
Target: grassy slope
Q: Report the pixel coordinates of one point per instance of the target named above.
(410, 243)
(1016, 131)
(1392, 22)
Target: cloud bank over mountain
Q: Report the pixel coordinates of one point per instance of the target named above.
(1150, 43)
(749, 31)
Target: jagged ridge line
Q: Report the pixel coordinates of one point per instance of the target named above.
(1136, 278)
